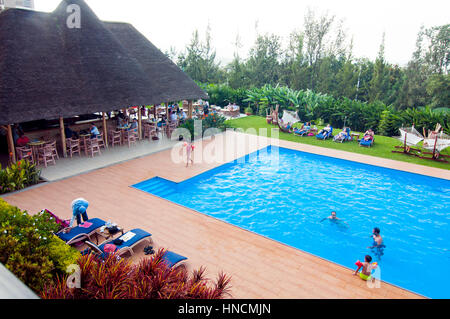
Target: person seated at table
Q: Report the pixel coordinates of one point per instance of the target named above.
(161, 122)
(206, 108)
(134, 125)
(123, 120)
(94, 131)
(22, 140)
(183, 115)
(70, 133)
(173, 116)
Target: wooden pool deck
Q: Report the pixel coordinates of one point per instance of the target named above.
(260, 267)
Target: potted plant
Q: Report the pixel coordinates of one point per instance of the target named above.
(248, 110)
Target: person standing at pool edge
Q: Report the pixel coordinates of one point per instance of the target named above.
(189, 149)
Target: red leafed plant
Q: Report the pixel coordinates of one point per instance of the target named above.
(151, 278)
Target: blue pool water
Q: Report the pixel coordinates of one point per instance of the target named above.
(286, 200)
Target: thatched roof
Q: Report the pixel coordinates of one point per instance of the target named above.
(48, 70)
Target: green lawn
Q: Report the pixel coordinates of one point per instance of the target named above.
(382, 146)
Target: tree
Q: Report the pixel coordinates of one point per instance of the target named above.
(438, 87)
(379, 82)
(263, 64)
(199, 61)
(315, 31)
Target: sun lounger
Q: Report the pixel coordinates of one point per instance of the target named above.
(130, 240)
(82, 231)
(366, 143)
(171, 258)
(343, 137)
(324, 135)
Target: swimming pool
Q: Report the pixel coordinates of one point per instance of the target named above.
(284, 194)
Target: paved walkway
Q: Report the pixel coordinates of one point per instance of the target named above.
(71, 166)
(260, 267)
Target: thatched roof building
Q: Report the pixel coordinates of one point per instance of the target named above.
(48, 70)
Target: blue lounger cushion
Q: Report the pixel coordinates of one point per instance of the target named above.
(139, 235)
(171, 258)
(80, 231)
(365, 143)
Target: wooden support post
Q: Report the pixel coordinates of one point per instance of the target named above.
(140, 122)
(11, 148)
(105, 129)
(63, 136)
(167, 111)
(190, 109)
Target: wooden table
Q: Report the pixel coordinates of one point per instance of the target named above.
(35, 146)
(355, 135)
(123, 129)
(104, 232)
(84, 138)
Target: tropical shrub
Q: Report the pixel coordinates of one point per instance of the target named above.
(389, 123)
(151, 278)
(18, 176)
(210, 121)
(28, 247)
(324, 108)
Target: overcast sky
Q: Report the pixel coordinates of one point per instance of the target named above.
(170, 23)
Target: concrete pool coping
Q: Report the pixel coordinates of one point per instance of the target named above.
(260, 267)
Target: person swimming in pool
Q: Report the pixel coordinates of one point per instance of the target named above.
(333, 218)
(378, 244)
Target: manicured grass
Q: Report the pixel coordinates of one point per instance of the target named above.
(382, 147)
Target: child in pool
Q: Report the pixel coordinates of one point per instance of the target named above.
(366, 271)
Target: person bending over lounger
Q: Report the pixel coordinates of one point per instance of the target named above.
(79, 207)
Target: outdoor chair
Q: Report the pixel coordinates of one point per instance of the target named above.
(130, 137)
(46, 155)
(101, 141)
(73, 146)
(82, 231)
(170, 128)
(128, 241)
(52, 144)
(149, 131)
(24, 153)
(116, 138)
(93, 147)
(325, 134)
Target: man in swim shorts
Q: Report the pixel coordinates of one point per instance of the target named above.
(377, 243)
(366, 271)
